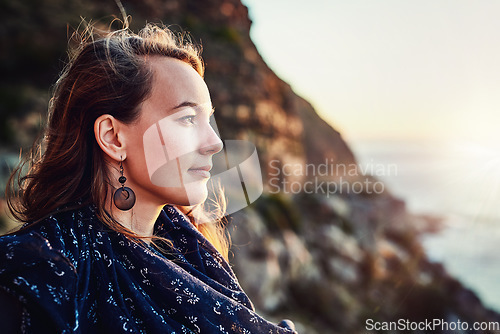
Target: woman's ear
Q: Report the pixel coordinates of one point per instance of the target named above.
(108, 136)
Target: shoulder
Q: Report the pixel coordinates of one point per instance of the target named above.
(47, 248)
(28, 263)
(38, 265)
(64, 233)
(39, 278)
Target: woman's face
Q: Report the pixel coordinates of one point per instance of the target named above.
(170, 148)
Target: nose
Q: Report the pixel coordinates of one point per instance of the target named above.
(211, 143)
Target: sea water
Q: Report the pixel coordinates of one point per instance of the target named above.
(460, 182)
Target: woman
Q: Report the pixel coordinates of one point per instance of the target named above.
(116, 238)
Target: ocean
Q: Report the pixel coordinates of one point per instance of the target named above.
(460, 182)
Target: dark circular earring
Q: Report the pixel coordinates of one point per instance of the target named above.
(124, 197)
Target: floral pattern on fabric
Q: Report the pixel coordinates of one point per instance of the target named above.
(72, 274)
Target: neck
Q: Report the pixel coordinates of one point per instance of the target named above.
(140, 219)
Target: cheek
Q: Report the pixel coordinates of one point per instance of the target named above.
(167, 175)
(178, 140)
(168, 151)
(154, 151)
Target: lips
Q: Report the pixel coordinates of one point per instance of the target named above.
(203, 171)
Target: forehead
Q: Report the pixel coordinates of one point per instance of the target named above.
(176, 82)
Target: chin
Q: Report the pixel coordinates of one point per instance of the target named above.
(191, 194)
(196, 193)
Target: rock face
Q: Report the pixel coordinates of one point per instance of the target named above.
(251, 101)
(331, 270)
(328, 260)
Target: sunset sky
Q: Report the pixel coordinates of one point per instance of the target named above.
(389, 69)
(414, 83)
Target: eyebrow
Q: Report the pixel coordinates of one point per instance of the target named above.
(192, 105)
(186, 104)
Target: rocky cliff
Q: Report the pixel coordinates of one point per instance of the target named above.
(329, 260)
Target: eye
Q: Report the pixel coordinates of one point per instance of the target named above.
(189, 119)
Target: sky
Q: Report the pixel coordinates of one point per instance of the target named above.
(414, 83)
(389, 69)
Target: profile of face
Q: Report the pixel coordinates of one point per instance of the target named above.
(170, 147)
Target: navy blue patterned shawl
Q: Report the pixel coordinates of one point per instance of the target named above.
(71, 274)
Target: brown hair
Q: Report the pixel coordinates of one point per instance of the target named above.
(106, 75)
